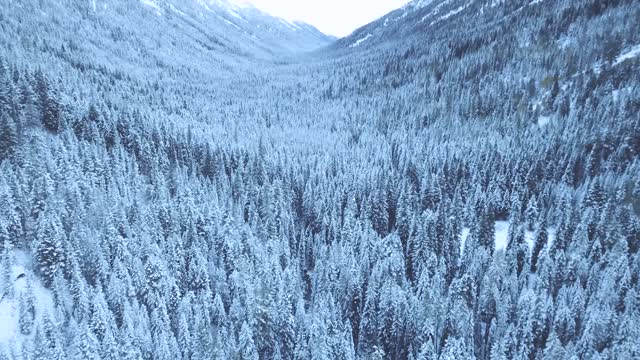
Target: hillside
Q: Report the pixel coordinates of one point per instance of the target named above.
(459, 179)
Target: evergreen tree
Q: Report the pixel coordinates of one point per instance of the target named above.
(246, 346)
(532, 213)
(27, 309)
(540, 241)
(8, 137)
(85, 344)
(49, 249)
(7, 290)
(595, 196)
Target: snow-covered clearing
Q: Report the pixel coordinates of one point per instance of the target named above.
(501, 235)
(10, 337)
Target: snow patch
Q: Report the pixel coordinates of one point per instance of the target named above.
(230, 7)
(501, 235)
(234, 14)
(544, 121)
(565, 42)
(630, 54)
(360, 41)
(173, 8)
(463, 238)
(10, 336)
(230, 23)
(435, 11)
(290, 25)
(502, 231)
(154, 5)
(451, 13)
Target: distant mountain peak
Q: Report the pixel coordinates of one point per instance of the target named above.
(243, 25)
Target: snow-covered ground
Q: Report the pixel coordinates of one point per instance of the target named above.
(435, 11)
(629, 54)
(173, 8)
(153, 5)
(502, 234)
(360, 41)
(229, 23)
(451, 13)
(544, 121)
(10, 337)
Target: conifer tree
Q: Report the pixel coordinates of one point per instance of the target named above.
(246, 346)
(8, 136)
(49, 249)
(539, 243)
(27, 309)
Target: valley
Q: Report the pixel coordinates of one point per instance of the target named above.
(194, 180)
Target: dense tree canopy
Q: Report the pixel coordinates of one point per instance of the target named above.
(338, 205)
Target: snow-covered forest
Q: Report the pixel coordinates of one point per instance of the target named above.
(457, 180)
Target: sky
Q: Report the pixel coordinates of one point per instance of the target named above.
(332, 17)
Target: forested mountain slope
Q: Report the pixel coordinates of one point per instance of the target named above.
(465, 186)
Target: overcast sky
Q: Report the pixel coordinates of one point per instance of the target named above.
(333, 17)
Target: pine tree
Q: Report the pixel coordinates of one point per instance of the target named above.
(246, 346)
(27, 309)
(85, 344)
(109, 349)
(380, 212)
(427, 352)
(53, 342)
(49, 249)
(40, 350)
(539, 243)
(10, 216)
(51, 115)
(484, 231)
(30, 114)
(456, 348)
(554, 349)
(100, 321)
(596, 197)
(625, 344)
(520, 249)
(7, 290)
(5, 91)
(184, 334)
(532, 213)
(8, 137)
(49, 107)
